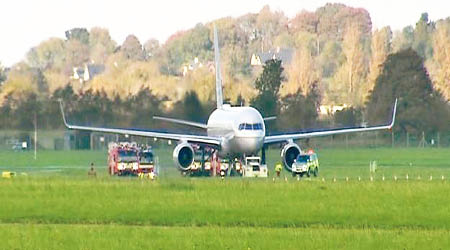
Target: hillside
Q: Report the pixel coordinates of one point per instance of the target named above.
(332, 53)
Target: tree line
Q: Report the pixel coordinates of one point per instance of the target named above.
(336, 52)
(95, 108)
(421, 108)
(338, 59)
(403, 76)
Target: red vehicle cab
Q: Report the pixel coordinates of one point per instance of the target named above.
(123, 159)
(146, 161)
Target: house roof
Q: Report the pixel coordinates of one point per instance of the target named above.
(285, 55)
(95, 69)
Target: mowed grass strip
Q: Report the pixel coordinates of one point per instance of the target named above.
(51, 158)
(32, 236)
(337, 162)
(66, 210)
(233, 202)
(414, 162)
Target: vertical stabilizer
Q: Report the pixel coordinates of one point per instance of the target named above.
(219, 96)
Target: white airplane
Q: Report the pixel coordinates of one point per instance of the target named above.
(231, 131)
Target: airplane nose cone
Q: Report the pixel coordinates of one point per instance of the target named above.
(250, 144)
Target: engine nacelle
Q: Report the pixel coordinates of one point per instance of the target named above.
(289, 153)
(183, 156)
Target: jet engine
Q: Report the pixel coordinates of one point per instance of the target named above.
(289, 153)
(183, 156)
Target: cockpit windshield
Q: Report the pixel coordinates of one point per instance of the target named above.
(257, 126)
(250, 126)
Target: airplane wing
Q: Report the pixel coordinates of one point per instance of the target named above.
(301, 135)
(179, 121)
(214, 141)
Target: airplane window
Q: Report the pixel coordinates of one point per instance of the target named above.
(249, 126)
(257, 126)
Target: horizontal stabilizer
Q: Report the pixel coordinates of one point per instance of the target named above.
(270, 118)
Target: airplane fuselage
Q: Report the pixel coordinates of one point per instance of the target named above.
(242, 130)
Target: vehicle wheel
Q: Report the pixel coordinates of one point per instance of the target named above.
(316, 172)
(233, 172)
(308, 173)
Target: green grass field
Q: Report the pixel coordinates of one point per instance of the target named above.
(339, 163)
(56, 206)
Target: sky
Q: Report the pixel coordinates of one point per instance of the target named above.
(26, 23)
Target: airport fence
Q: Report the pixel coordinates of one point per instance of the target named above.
(17, 140)
(381, 139)
(76, 140)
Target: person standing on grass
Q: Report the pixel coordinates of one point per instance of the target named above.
(92, 172)
(278, 168)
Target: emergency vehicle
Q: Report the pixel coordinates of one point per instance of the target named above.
(237, 169)
(123, 159)
(254, 168)
(306, 164)
(201, 165)
(224, 165)
(207, 169)
(146, 160)
(218, 166)
(196, 167)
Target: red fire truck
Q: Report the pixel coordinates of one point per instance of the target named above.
(123, 159)
(146, 160)
(127, 158)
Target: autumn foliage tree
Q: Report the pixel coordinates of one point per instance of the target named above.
(420, 107)
(101, 46)
(268, 87)
(440, 65)
(349, 80)
(132, 48)
(299, 111)
(2, 73)
(302, 73)
(336, 56)
(380, 49)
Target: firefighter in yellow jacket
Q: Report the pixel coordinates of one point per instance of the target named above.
(278, 168)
